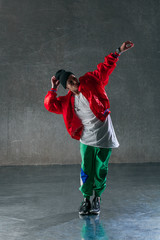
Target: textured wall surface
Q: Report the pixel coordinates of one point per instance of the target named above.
(39, 37)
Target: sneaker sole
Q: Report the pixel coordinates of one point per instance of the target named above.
(94, 212)
(82, 213)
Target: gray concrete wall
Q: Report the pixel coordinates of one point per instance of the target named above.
(39, 37)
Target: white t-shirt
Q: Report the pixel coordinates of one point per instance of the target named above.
(95, 133)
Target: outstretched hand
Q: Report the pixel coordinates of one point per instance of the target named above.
(126, 45)
(55, 83)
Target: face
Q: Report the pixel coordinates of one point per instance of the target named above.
(72, 83)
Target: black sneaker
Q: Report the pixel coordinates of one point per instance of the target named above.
(85, 207)
(95, 208)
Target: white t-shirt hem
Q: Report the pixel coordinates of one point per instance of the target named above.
(92, 145)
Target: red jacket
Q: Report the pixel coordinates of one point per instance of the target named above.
(92, 86)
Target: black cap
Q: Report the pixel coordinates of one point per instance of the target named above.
(62, 76)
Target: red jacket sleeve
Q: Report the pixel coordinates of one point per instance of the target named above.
(52, 103)
(106, 68)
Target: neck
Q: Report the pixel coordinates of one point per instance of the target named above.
(76, 92)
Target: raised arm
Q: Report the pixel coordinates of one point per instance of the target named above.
(104, 69)
(51, 102)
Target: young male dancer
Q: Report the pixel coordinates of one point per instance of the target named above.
(86, 114)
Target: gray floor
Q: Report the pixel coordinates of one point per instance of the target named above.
(41, 202)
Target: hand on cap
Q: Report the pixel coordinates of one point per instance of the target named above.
(55, 83)
(126, 45)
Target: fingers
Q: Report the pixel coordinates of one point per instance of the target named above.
(126, 45)
(129, 44)
(53, 78)
(55, 82)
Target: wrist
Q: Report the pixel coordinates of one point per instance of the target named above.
(118, 50)
(115, 54)
(53, 89)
